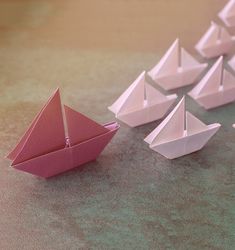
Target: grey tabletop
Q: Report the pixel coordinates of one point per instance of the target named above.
(131, 197)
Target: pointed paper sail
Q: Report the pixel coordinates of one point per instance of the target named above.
(46, 133)
(194, 125)
(228, 80)
(211, 81)
(154, 96)
(132, 98)
(169, 63)
(187, 60)
(81, 128)
(229, 9)
(211, 36)
(171, 128)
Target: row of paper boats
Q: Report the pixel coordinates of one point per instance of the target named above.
(54, 144)
(60, 139)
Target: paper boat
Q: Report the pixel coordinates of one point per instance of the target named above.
(234, 125)
(216, 88)
(172, 138)
(215, 42)
(141, 103)
(227, 14)
(45, 150)
(177, 68)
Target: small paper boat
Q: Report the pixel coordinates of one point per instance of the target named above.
(141, 103)
(177, 68)
(45, 150)
(173, 139)
(217, 88)
(234, 125)
(215, 42)
(227, 14)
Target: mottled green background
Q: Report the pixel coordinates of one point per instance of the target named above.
(131, 198)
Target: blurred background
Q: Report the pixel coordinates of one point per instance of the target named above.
(135, 25)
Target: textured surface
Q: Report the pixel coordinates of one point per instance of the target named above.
(131, 198)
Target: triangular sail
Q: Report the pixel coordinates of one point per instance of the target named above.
(193, 124)
(169, 63)
(187, 60)
(81, 128)
(172, 127)
(153, 95)
(132, 98)
(229, 9)
(46, 133)
(211, 36)
(20, 144)
(228, 80)
(211, 81)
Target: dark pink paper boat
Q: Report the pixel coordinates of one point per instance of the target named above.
(45, 150)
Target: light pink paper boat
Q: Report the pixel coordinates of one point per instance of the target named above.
(227, 14)
(234, 125)
(141, 103)
(177, 68)
(173, 139)
(45, 150)
(217, 88)
(215, 42)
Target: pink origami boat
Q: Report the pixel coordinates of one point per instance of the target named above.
(173, 139)
(177, 68)
(217, 88)
(141, 103)
(45, 150)
(227, 14)
(215, 42)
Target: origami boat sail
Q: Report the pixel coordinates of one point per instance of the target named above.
(44, 150)
(141, 103)
(177, 68)
(87, 128)
(38, 140)
(172, 138)
(227, 14)
(216, 88)
(215, 42)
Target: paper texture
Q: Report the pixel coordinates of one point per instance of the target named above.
(141, 103)
(45, 150)
(177, 68)
(216, 88)
(172, 138)
(227, 14)
(215, 42)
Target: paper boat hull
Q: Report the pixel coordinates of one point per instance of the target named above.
(146, 114)
(215, 99)
(216, 50)
(187, 144)
(180, 79)
(65, 159)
